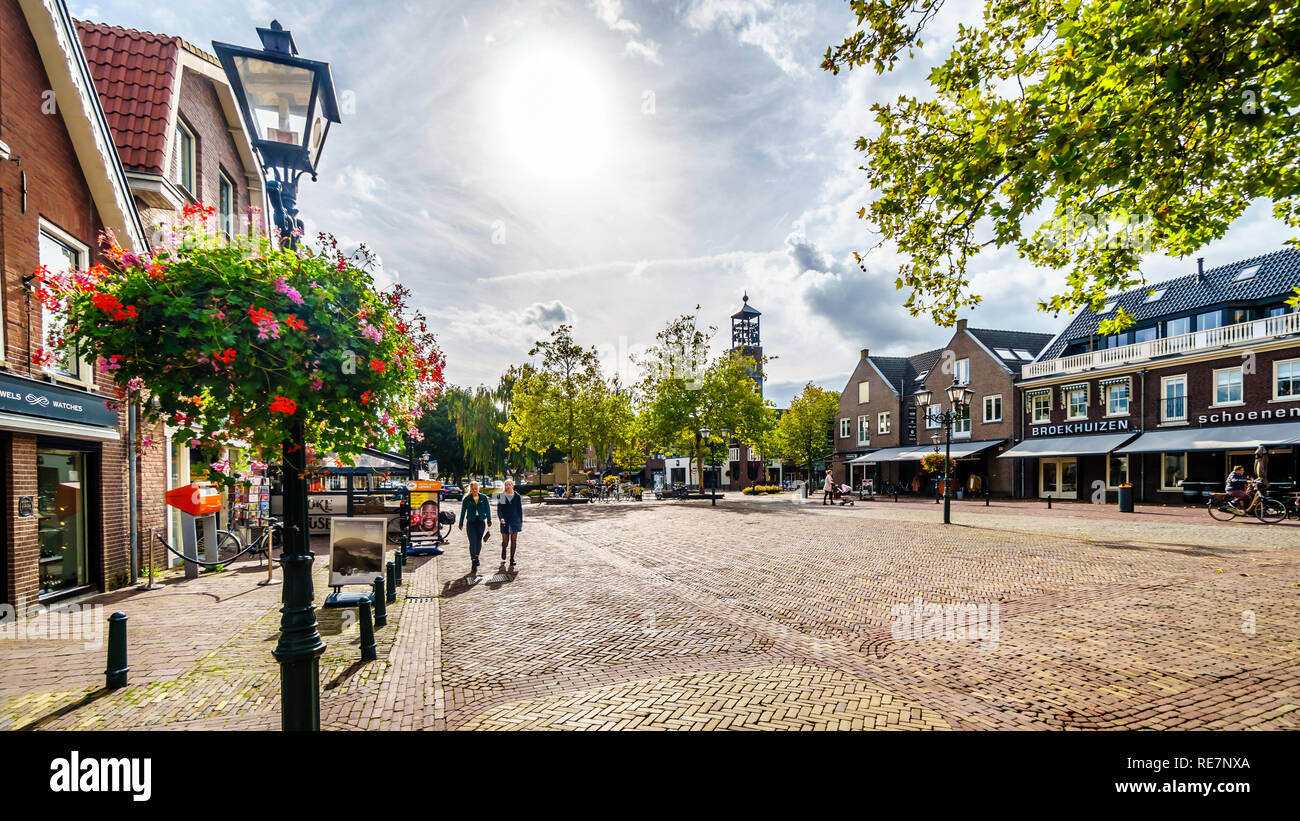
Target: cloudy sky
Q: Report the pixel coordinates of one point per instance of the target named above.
(614, 164)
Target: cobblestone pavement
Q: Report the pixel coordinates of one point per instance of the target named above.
(759, 614)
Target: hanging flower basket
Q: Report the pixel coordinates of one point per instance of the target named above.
(934, 463)
(241, 341)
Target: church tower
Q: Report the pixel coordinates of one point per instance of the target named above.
(745, 338)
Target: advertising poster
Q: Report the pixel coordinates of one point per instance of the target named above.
(357, 549)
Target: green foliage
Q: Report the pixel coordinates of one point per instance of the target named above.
(438, 430)
(240, 344)
(1120, 127)
(686, 392)
(552, 400)
(805, 427)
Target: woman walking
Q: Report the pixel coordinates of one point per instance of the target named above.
(828, 489)
(510, 512)
(478, 510)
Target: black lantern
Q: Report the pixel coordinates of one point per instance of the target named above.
(288, 103)
(959, 397)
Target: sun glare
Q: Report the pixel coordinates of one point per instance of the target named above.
(550, 116)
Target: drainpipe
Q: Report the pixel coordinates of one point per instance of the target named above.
(132, 520)
(1142, 427)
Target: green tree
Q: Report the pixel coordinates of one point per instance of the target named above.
(686, 392)
(805, 427)
(440, 436)
(1121, 128)
(480, 426)
(552, 399)
(609, 421)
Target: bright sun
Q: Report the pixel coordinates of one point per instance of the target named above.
(550, 116)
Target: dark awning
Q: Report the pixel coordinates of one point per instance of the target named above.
(1231, 437)
(1068, 445)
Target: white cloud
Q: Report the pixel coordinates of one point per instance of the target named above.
(361, 183)
(610, 13)
(776, 28)
(648, 50)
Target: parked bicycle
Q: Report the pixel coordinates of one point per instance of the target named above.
(229, 545)
(1225, 508)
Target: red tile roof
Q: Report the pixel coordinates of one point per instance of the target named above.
(134, 73)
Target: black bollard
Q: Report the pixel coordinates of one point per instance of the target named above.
(1049, 502)
(381, 603)
(367, 632)
(115, 675)
(988, 494)
(397, 571)
(391, 567)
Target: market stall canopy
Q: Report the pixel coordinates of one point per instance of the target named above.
(1068, 445)
(1232, 437)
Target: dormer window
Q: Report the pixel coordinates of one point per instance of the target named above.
(1246, 273)
(1155, 296)
(1024, 354)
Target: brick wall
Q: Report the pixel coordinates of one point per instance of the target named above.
(56, 191)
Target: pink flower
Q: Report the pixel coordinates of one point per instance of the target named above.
(288, 290)
(146, 441)
(317, 383)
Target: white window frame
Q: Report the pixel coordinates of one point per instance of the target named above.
(987, 417)
(190, 184)
(1163, 486)
(932, 413)
(1164, 400)
(1241, 387)
(228, 223)
(1128, 397)
(864, 427)
(1068, 401)
(733, 454)
(883, 423)
(844, 428)
(86, 379)
(1295, 363)
(958, 428)
(1047, 408)
(959, 366)
(864, 392)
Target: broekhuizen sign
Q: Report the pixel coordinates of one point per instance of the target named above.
(31, 398)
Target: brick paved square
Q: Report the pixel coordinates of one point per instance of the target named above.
(759, 614)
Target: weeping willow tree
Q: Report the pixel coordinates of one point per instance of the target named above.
(480, 424)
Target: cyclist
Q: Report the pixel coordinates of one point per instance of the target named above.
(1235, 486)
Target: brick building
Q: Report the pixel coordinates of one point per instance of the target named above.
(63, 464)
(1209, 371)
(882, 436)
(181, 140)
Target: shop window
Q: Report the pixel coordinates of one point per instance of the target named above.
(60, 488)
(1117, 399)
(1286, 379)
(1227, 386)
(1173, 399)
(1174, 470)
(1116, 470)
(993, 408)
(883, 424)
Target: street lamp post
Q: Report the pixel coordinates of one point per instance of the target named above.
(705, 434)
(958, 395)
(288, 104)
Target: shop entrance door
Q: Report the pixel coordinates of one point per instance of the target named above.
(1058, 478)
(62, 528)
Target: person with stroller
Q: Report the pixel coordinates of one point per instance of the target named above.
(828, 489)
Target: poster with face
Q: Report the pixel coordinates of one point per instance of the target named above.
(426, 517)
(357, 549)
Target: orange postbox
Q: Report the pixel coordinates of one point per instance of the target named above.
(196, 499)
(199, 503)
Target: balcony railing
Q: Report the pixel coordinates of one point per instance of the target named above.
(1245, 333)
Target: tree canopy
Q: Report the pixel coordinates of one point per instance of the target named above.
(1082, 134)
(804, 430)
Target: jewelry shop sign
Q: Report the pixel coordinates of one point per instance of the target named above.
(32, 398)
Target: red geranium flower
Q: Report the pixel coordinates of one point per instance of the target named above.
(365, 397)
(285, 405)
(295, 323)
(378, 365)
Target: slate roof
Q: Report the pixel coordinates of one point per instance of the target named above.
(746, 310)
(1279, 273)
(901, 371)
(1010, 340)
(134, 73)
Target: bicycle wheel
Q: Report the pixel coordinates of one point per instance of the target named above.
(1270, 511)
(1219, 509)
(229, 544)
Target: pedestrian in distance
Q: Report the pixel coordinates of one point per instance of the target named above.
(510, 512)
(478, 510)
(828, 489)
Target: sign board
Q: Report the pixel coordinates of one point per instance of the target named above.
(32, 398)
(357, 549)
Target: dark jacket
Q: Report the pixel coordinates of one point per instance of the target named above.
(1235, 481)
(511, 511)
(482, 512)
